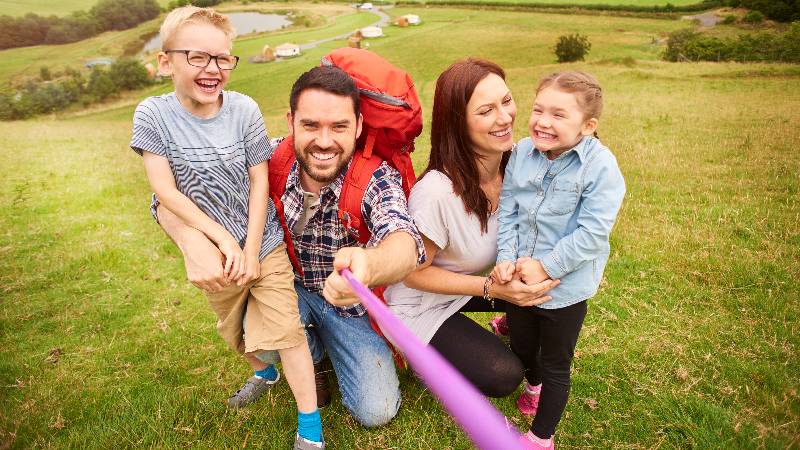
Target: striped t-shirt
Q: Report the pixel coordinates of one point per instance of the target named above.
(210, 157)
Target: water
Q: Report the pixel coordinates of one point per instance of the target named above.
(243, 23)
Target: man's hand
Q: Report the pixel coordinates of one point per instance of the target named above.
(337, 290)
(204, 263)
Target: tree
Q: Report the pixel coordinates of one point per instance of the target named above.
(572, 47)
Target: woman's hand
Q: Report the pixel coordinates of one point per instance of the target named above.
(521, 294)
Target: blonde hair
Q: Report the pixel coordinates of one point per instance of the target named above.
(186, 15)
(585, 87)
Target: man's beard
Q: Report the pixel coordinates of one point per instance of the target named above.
(304, 156)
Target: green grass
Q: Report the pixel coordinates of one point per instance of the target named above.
(586, 2)
(48, 7)
(691, 343)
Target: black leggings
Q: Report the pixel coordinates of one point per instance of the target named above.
(477, 353)
(545, 341)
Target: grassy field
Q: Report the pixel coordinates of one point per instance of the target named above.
(24, 63)
(691, 343)
(47, 7)
(586, 2)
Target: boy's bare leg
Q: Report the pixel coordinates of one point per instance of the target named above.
(299, 372)
(254, 362)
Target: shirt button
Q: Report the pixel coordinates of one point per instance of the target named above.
(550, 174)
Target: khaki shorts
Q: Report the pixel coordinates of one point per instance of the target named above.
(273, 321)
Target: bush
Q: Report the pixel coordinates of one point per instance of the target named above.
(572, 47)
(687, 45)
(753, 17)
(729, 19)
(128, 74)
(780, 10)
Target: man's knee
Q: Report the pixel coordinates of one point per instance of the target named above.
(377, 410)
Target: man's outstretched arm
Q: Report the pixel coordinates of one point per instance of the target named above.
(203, 260)
(388, 262)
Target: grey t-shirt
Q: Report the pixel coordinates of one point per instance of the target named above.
(210, 157)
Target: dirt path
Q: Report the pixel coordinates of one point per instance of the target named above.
(384, 19)
(707, 19)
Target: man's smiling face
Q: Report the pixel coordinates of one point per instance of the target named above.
(325, 128)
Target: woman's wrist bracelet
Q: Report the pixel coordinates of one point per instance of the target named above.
(486, 284)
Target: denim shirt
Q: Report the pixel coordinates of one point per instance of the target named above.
(561, 213)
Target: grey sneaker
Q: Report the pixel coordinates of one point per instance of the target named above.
(250, 392)
(304, 444)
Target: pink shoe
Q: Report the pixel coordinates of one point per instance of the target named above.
(528, 401)
(530, 442)
(499, 325)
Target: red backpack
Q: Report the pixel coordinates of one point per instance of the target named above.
(392, 120)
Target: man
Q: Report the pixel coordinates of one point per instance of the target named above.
(325, 121)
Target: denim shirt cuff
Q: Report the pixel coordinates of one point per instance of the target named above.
(553, 266)
(505, 257)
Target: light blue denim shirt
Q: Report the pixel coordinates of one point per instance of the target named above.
(561, 213)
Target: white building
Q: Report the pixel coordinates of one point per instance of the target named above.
(412, 19)
(287, 50)
(371, 32)
(367, 5)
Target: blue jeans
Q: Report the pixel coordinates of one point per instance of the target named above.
(361, 359)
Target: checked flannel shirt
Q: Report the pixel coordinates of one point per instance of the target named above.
(385, 210)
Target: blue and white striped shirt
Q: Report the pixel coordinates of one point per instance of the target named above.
(210, 157)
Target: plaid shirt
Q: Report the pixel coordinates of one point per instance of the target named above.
(384, 209)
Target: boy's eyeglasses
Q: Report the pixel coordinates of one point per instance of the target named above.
(197, 58)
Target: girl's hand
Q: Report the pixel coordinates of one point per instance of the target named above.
(503, 272)
(252, 268)
(521, 294)
(530, 270)
(234, 258)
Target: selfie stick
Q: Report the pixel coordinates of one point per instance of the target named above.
(483, 424)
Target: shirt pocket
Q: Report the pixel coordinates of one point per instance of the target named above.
(564, 197)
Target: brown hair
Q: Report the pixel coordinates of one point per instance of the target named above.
(585, 87)
(189, 14)
(451, 147)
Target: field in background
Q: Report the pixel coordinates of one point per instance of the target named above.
(692, 342)
(49, 7)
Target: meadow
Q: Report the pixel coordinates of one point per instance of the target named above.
(45, 7)
(692, 341)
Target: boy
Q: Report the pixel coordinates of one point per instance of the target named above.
(205, 151)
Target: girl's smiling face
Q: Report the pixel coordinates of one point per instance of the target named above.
(558, 122)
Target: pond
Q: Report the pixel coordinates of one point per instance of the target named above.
(243, 23)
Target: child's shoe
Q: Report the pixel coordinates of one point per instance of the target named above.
(499, 325)
(531, 442)
(305, 444)
(250, 392)
(528, 401)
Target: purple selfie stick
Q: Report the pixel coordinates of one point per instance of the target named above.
(474, 414)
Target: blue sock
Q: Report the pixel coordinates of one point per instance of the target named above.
(309, 426)
(269, 373)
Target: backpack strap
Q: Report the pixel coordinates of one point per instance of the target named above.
(352, 196)
(280, 165)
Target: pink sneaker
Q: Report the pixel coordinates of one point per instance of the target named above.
(528, 401)
(499, 325)
(531, 442)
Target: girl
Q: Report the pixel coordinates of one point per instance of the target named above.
(561, 193)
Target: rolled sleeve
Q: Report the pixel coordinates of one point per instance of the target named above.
(386, 210)
(146, 135)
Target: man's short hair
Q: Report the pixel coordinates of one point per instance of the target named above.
(185, 15)
(328, 79)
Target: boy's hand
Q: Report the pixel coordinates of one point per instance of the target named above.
(252, 268)
(503, 272)
(530, 271)
(234, 258)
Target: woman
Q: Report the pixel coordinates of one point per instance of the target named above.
(454, 205)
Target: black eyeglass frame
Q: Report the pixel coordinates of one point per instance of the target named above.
(210, 58)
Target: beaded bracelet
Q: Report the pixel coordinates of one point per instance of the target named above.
(486, 284)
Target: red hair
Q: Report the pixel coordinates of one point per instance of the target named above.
(451, 147)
